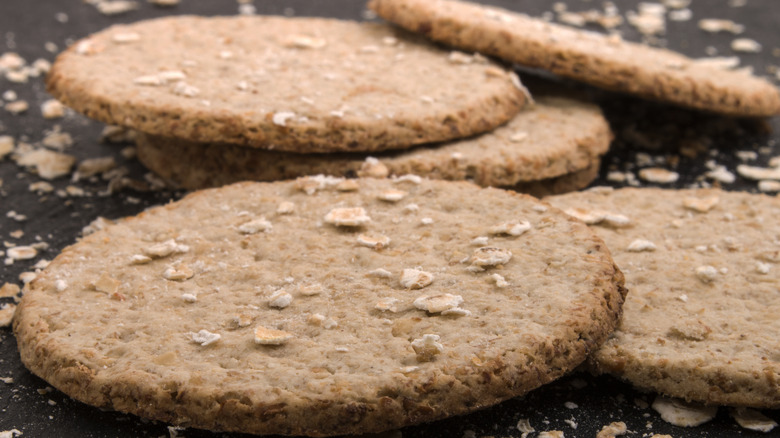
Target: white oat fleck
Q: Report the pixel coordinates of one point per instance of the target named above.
(60, 285)
(414, 179)
(266, 336)
(701, 205)
(255, 226)
(311, 289)
(597, 216)
(204, 337)
(500, 280)
(190, 298)
(165, 249)
(282, 117)
(490, 256)
(511, 228)
(480, 241)
(438, 303)
(180, 273)
(280, 299)
(126, 37)
(640, 245)
(762, 268)
(185, 90)
(305, 42)
(373, 168)
(347, 217)
(415, 278)
(139, 259)
(388, 304)
(427, 347)
(376, 241)
(518, 137)
(381, 273)
(285, 207)
(392, 195)
(707, 274)
(426, 221)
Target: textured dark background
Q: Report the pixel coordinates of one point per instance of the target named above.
(674, 138)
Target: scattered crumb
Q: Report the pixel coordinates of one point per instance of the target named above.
(9, 290)
(115, 7)
(680, 413)
(164, 3)
(658, 175)
(48, 164)
(612, 430)
(714, 25)
(769, 186)
(52, 109)
(17, 107)
(745, 45)
(752, 419)
(758, 173)
(7, 314)
(525, 428)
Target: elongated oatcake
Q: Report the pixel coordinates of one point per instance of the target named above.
(703, 270)
(598, 59)
(292, 84)
(321, 306)
(557, 138)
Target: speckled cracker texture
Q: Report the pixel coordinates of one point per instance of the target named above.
(291, 84)
(554, 138)
(703, 270)
(321, 306)
(600, 60)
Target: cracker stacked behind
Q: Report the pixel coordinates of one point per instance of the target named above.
(267, 98)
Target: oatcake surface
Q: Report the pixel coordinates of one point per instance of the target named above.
(321, 306)
(700, 321)
(292, 84)
(554, 138)
(598, 59)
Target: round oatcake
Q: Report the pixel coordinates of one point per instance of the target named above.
(321, 306)
(598, 59)
(703, 270)
(292, 84)
(554, 138)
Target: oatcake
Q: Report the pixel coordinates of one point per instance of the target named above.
(291, 84)
(321, 306)
(554, 138)
(703, 269)
(601, 60)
